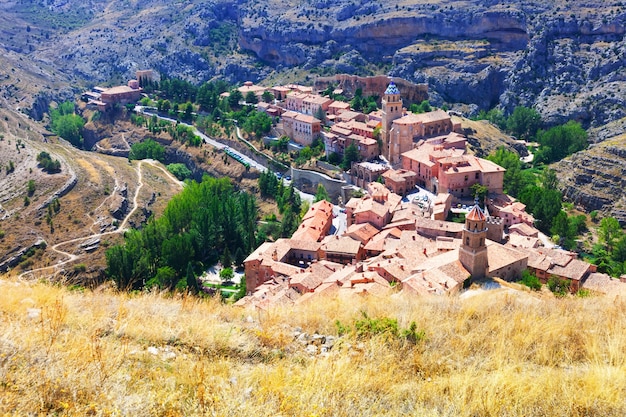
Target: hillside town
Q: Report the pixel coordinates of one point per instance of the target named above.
(393, 242)
(416, 175)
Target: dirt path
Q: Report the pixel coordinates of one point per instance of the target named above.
(123, 227)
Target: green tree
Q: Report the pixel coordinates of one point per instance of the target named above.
(560, 226)
(494, 116)
(180, 171)
(148, 149)
(524, 122)
(514, 179)
(350, 155)
(192, 281)
(31, 187)
(530, 280)
(267, 97)
(227, 259)
(320, 115)
(227, 274)
(67, 125)
(234, 98)
(251, 98)
(560, 141)
(321, 193)
(239, 257)
(289, 223)
(608, 232)
(479, 191)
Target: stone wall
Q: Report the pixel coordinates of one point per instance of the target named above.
(374, 86)
(307, 181)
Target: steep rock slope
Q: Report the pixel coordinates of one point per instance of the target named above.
(595, 179)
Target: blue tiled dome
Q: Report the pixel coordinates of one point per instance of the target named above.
(392, 89)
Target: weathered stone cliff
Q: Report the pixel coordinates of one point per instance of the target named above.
(596, 179)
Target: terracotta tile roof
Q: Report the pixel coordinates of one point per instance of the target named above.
(476, 214)
(341, 275)
(305, 118)
(120, 89)
(447, 243)
(305, 245)
(339, 105)
(604, 284)
(519, 241)
(429, 117)
(344, 245)
(349, 115)
(362, 232)
(369, 205)
(523, 229)
(307, 280)
(425, 224)
(500, 256)
(575, 270)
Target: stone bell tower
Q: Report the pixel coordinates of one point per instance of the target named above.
(473, 250)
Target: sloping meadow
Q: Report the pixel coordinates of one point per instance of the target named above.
(498, 353)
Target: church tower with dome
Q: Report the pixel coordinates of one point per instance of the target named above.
(392, 110)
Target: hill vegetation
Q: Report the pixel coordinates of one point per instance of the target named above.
(198, 226)
(80, 352)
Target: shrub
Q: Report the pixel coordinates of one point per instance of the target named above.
(48, 164)
(530, 280)
(560, 287)
(385, 327)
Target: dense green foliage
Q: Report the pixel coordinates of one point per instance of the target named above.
(321, 193)
(560, 141)
(48, 164)
(539, 193)
(567, 228)
(524, 122)
(363, 104)
(543, 201)
(289, 205)
(257, 123)
(180, 171)
(529, 280)
(184, 134)
(196, 227)
(350, 155)
(515, 179)
(423, 107)
(148, 149)
(268, 184)
(67, 124)
(609, 254)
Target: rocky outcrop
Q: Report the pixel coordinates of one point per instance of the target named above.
(596, 179)
(373, 86)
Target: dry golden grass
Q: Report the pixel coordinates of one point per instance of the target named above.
(494, 354)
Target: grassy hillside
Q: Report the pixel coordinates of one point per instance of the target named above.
(68, 352)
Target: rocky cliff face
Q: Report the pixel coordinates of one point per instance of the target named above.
(595, 179)
(567, 58)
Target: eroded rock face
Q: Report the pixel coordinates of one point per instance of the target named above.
(596, 179)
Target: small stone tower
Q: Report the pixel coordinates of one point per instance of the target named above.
(473, 250)
(392, 110)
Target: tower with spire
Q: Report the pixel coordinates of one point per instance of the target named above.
(473, 250)
(392, 110)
